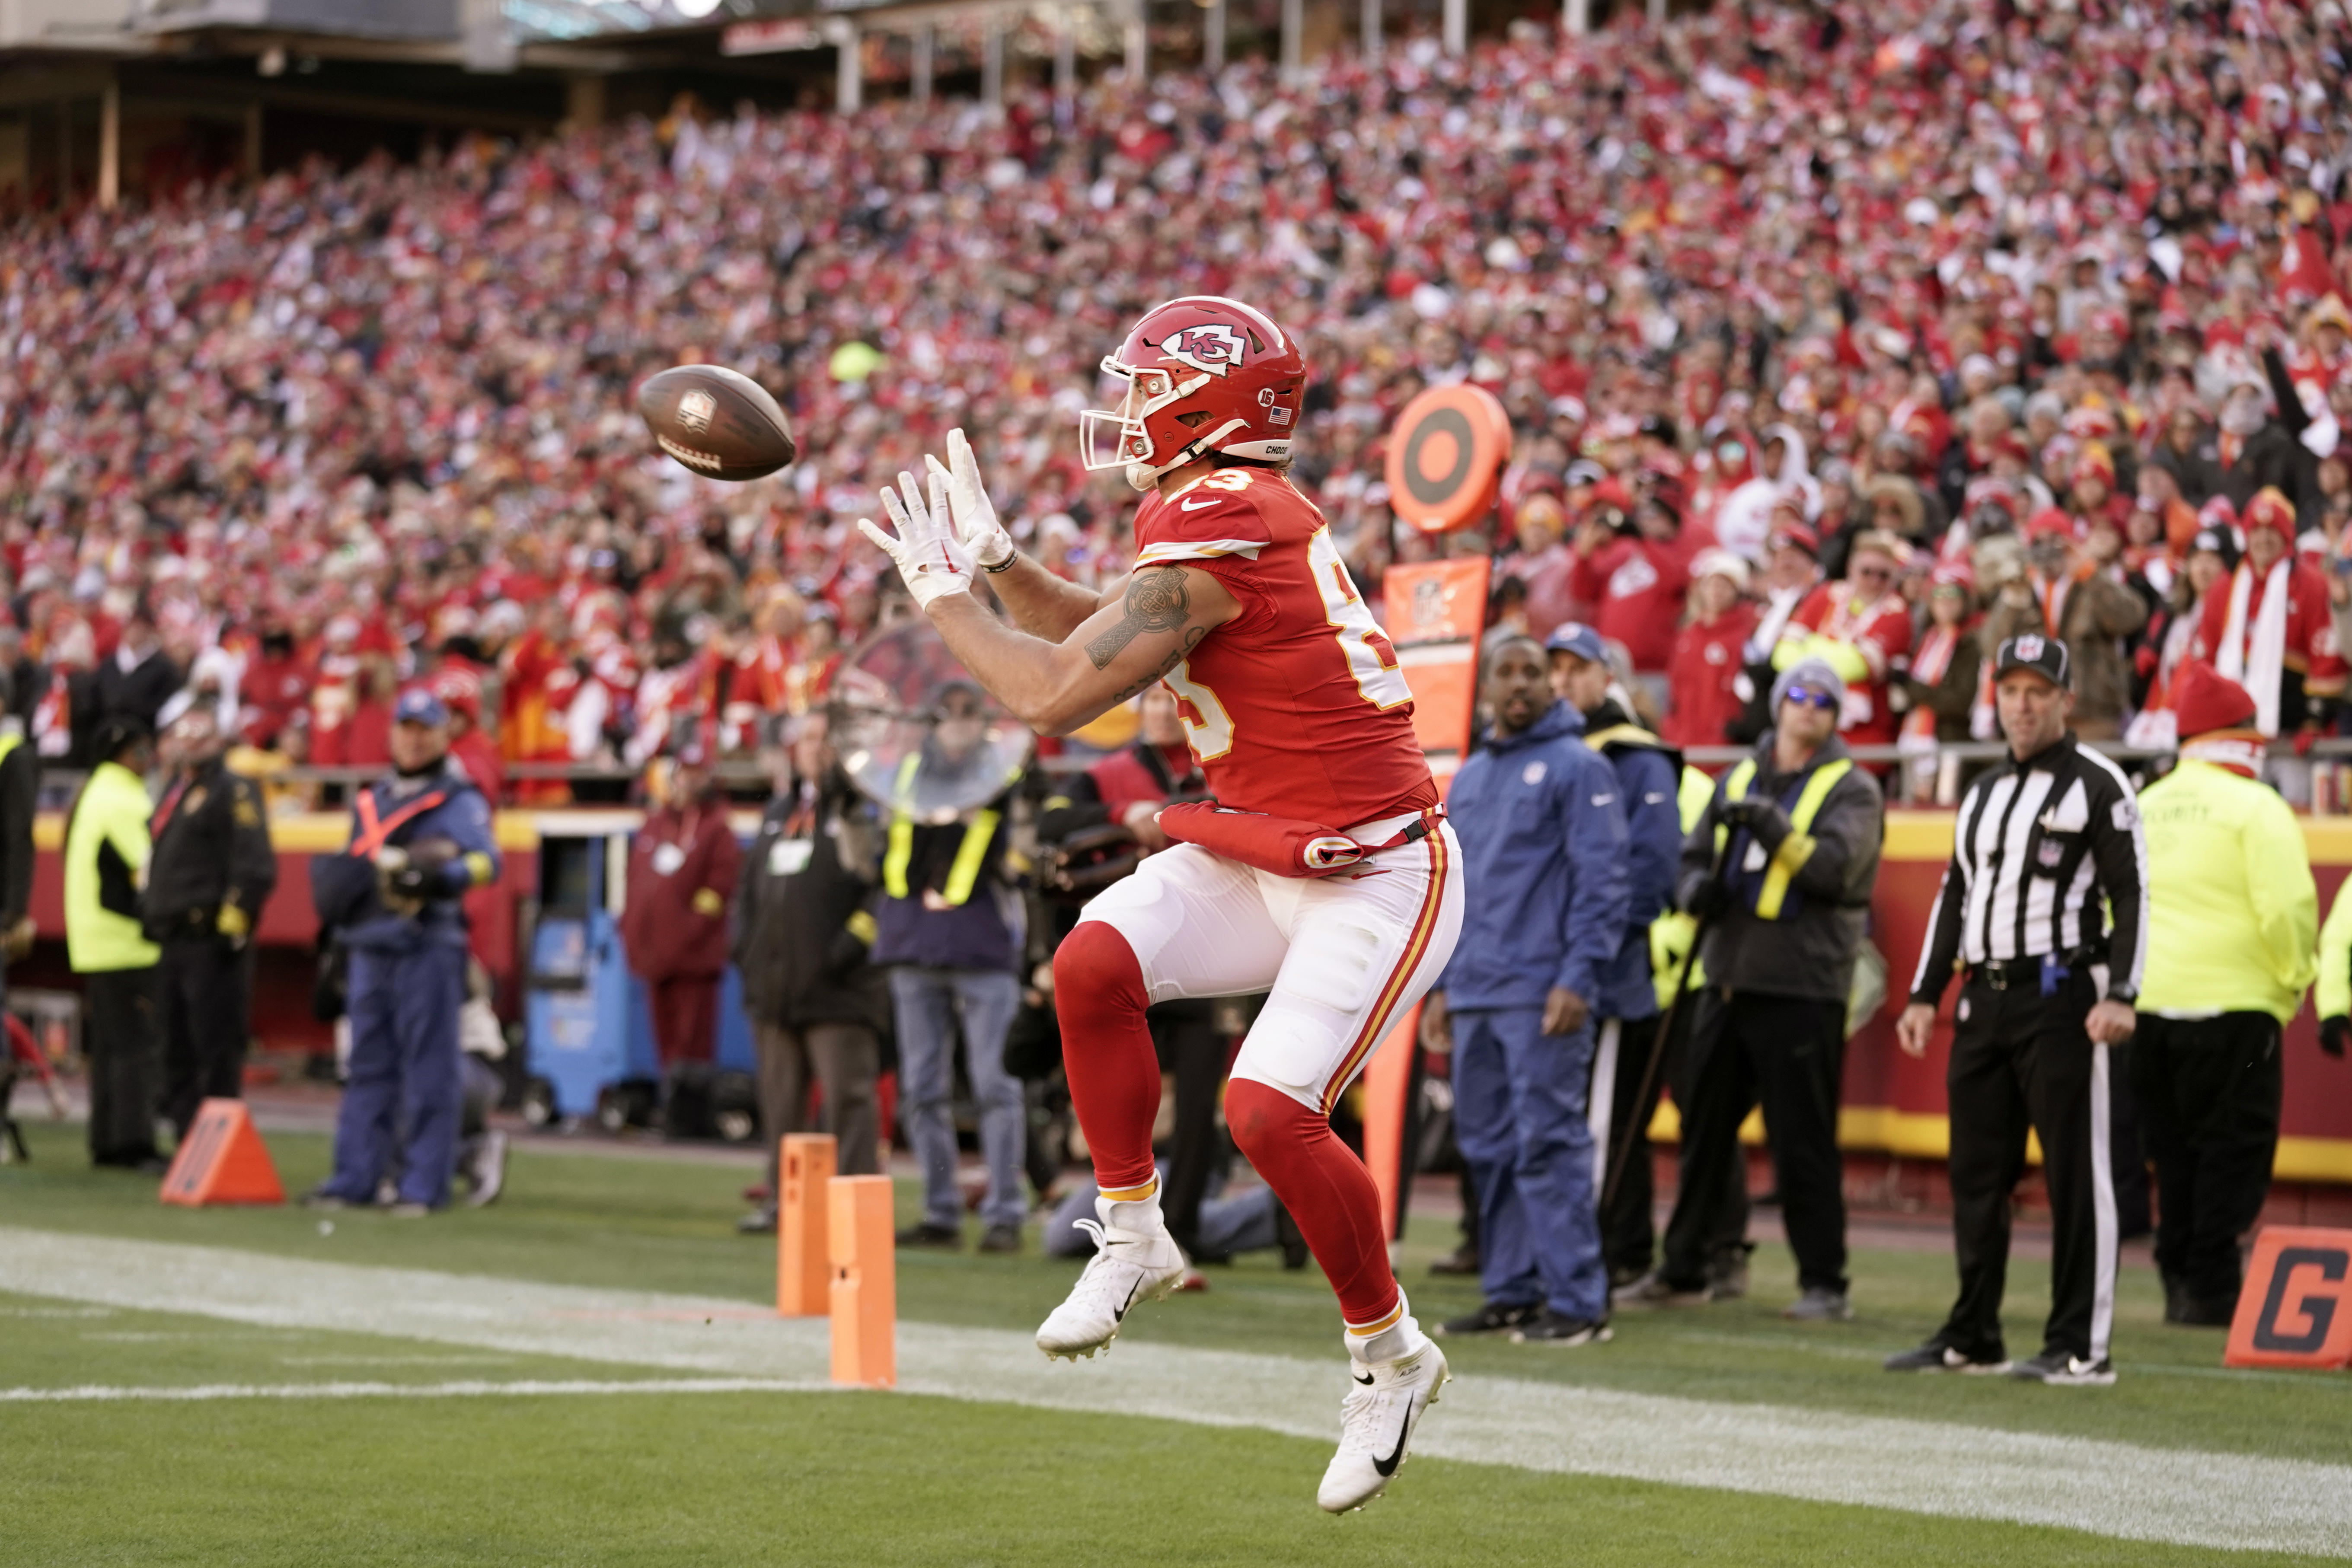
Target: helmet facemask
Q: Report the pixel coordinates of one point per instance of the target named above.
(1120, 438)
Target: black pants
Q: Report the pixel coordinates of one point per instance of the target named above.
(1628, 1222)
(204, 1003)
(1788, 1053)
(1190, 1051)
(119, 1040)
(2208, 1093)
(2021, 1060)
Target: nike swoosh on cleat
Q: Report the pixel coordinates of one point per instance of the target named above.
(1387, 1467)
(1365, 1378)
(1120, 1315)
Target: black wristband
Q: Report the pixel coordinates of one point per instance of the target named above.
(1009, 558)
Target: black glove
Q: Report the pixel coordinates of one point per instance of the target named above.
(1707, 898)
(410, 881)
(2333, 1034)
(1766, 822)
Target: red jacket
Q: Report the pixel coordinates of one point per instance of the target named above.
(1640, 586)
(682, 871)
(1700, 678)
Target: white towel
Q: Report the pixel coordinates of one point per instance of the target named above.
(2255, 661)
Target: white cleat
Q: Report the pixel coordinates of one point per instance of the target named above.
(1135, 1261)
(1376, 1424)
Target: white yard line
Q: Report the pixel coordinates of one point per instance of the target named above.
(2120, 1489)
(108, 1394)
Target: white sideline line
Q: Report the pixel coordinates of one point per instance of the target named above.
(2181, 1496)
(105, 1394)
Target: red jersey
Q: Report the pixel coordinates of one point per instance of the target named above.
(1705, 662)
(1296, 706)
(1880, 631)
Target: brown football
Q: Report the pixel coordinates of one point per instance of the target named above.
(720, 424)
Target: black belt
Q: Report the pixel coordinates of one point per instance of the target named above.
(2001, 973)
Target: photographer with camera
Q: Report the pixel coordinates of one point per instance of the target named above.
(1094, 831)
(1780, 872)
(421, 840)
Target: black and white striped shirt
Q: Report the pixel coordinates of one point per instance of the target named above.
(2043, 851)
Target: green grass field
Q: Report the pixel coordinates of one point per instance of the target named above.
(822, 1477)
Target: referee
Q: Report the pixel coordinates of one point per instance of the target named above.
(2043, 842)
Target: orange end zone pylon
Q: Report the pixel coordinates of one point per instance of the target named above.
(222, 1160)
(859, 1236)
(2296, 1307)
(804, 1268)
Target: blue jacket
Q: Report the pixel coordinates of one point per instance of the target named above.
(462, 817)
(1648, 775)
(1543, 860)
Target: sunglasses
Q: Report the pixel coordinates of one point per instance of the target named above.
(1805, 696)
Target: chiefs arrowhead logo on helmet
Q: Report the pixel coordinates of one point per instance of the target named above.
(1204, 374)
(1216, 348)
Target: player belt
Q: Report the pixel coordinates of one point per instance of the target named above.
(2001, 973)
(1412, 832)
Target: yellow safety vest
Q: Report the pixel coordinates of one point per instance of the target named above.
(964, 874)
(1671, 934)
(113, 808)
(1784, 865)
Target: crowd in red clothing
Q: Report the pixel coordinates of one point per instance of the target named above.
(1874, 330)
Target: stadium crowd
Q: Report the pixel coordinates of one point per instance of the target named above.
(1992, 315)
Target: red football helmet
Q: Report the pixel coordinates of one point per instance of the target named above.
(1204, 374)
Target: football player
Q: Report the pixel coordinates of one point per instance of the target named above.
(1294, 706)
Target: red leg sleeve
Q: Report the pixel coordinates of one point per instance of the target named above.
(1325, 1188)
(1106, 1051)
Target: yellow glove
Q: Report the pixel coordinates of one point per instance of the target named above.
(707, 902)
(233, 924)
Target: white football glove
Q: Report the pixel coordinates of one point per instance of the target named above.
(975, 514)
(931, 561)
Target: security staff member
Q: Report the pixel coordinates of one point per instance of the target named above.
(213, 871)
(1627, 1007)
(421, 840)
(107, 849)
(1781, 866)
(948, 929)
(2232, 912)
(2043, 843)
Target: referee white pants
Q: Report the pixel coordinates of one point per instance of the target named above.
(1344, 956)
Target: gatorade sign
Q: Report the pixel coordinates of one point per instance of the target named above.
(2296, 1307)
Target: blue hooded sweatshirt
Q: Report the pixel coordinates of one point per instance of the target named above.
(1542, 827)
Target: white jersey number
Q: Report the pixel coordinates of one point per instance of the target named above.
(1371, 657)
(1206, 724)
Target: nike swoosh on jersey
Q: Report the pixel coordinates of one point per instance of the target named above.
(1196, 506)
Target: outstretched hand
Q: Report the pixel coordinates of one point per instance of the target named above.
(932, 562)
(974, 514)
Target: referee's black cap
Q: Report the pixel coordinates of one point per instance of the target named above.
(2045, 656)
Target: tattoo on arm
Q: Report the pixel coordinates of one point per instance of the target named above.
(1156, 601)
(1191, 641)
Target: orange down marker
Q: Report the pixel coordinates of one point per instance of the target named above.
(864, 1281)
(222, 1160)
(804, 1267)
(2296, 1307)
